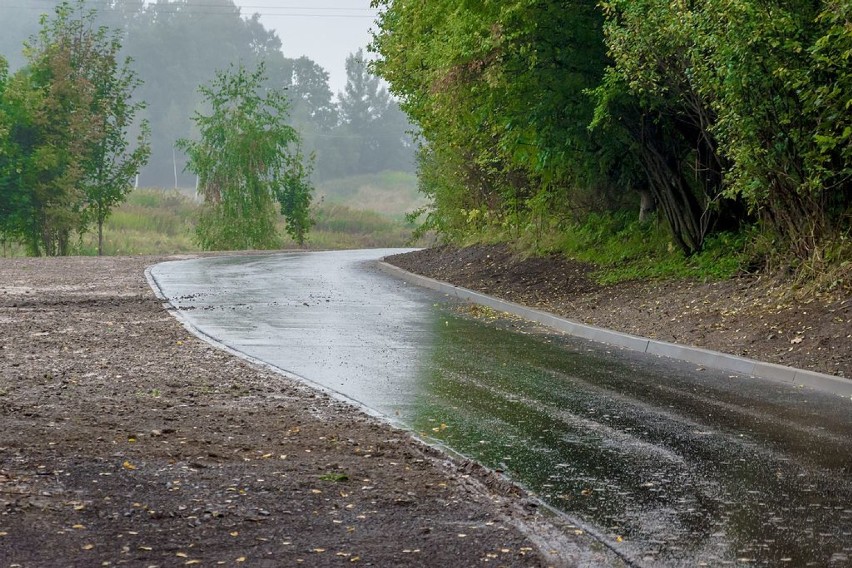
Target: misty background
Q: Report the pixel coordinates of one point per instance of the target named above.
(178, 45)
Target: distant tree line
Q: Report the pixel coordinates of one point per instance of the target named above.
(178, 45)
(717, 114)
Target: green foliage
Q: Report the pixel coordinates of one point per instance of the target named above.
(782, 101)
(498, 92)
(65, 161)
(334, 476)
(537, 116)
(247, 160)
(624, 248)
(112, 162)
(747, 98)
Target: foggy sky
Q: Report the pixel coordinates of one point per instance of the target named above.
(323, 30)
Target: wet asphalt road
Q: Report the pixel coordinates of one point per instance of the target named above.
(669, 464)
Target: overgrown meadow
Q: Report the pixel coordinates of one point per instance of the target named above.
(363, 212)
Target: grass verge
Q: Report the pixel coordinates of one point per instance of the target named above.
(156, 221)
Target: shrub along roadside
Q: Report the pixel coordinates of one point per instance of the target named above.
(725, 115)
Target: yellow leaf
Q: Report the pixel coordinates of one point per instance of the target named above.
(234, 533)
(128, 465)
(241, 559)
(78, 527)
(319, 550)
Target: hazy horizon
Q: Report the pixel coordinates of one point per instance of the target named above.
(325, 33)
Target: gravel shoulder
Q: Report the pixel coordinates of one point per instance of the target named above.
(126, 440)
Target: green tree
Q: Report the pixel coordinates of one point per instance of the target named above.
(18, 137)
(498, 92)
(650, 97)
(247, 159)
(778, 76)
(6, 161)
(176, 46)
(112, 161)
(69, 161)
(373, 133)
(308, 92)
(730, 103)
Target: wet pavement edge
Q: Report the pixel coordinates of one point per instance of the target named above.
(705, 357)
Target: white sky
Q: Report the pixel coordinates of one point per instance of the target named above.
(324, 30)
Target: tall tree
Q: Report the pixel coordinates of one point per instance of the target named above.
(68, 160)
(178, 45)
(247, 159)
(7, 159)
(373, 134)
(498, 91)
(364, 99)
(114, 160)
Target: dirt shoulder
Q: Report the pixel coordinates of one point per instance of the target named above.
(749, 316)
(126, 440)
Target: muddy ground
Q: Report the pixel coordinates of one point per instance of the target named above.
(127, 441)
(752, 316)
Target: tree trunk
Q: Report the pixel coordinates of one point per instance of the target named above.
(647, 205)
(672, 192)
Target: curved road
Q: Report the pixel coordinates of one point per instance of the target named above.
(667, 463)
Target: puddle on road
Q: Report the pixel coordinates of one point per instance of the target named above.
(670, 464)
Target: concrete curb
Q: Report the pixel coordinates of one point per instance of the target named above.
(704, 357)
